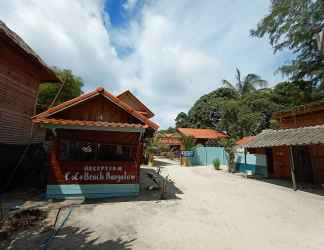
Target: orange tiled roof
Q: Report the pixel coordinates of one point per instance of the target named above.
(98, 91)
(245, 140)
(87, 123)
(202, 133)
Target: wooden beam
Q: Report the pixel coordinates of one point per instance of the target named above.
(52, 126)
(292, 168)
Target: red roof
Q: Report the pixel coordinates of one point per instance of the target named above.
(245, 140)
(98, 91)
(87, 123)
(202, 133)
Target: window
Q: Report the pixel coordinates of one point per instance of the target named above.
(90, 151)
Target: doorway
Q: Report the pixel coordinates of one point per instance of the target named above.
(269, 155)
(303, 164)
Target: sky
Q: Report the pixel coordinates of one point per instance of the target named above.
(168, 53)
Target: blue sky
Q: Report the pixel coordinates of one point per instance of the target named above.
(168, 53)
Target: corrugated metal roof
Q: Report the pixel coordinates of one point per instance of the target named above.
(202, 133)
(288, 137)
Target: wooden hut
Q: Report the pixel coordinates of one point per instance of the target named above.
(202, 136)
(297, 149)
(21, 73)
(128, 98)
(97, 143)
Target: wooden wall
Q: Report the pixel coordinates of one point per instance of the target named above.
(317, 156)
(97, 109)
(18, 92)
(281, 162)
(308, 119)
(59, 168)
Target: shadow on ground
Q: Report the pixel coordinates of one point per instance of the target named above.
(67, 238)
(305, 187)
(172, 191)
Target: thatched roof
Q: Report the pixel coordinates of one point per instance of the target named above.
(46, 74)
(288, 137)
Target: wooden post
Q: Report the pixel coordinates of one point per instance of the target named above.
(292, 168)
(245, 157)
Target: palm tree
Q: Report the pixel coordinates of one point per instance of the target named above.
(246, 85)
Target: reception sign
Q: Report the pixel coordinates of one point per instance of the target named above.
(98, 172)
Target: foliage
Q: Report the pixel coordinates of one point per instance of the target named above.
(246, 85)
(229, 145)
(291, 94)
(188, 142)
(170, 130)
(182, 120)
(239, 114)
(293, 25)
(47, 91)
(216, 164)
(152, 145)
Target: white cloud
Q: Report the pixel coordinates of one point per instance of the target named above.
(180, 49)
(68, 34)
(129, 5)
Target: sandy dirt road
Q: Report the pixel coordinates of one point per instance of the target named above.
(208, 210)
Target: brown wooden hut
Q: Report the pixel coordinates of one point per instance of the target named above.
(297, 149)
(21, 73)
(97, 144)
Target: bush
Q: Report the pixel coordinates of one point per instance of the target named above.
(216, 164)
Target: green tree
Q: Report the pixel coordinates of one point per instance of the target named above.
(245, 85)
(47, 91)
(293, 25)
(291, 94)
(182, 120)
(206, 111)
(229, 147)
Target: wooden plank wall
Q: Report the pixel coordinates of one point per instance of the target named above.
(317, 155)
(281, 163)
(310, 119)
(97, 109)
(18, 93)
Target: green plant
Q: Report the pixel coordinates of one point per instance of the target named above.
(188, 143)
(229, 145)
(216, 164)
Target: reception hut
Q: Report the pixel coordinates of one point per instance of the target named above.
(96, 146)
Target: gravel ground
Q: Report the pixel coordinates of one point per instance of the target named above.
(207, 209)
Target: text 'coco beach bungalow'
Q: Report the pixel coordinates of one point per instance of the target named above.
(96, 145)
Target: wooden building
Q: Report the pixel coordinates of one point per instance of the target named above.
(97, 142)
(170, 140)
(128, 98)
(21, 73)
(296, 150)
(202, 136)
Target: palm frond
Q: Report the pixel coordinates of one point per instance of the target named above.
(227, 84)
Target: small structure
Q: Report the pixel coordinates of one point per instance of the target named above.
(97, 144)
(202, 136)
(297, 149)
(170, 140)
(239, 144)
(21, 73)
(128, 98)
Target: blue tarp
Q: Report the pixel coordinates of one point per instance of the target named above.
(206, 155)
